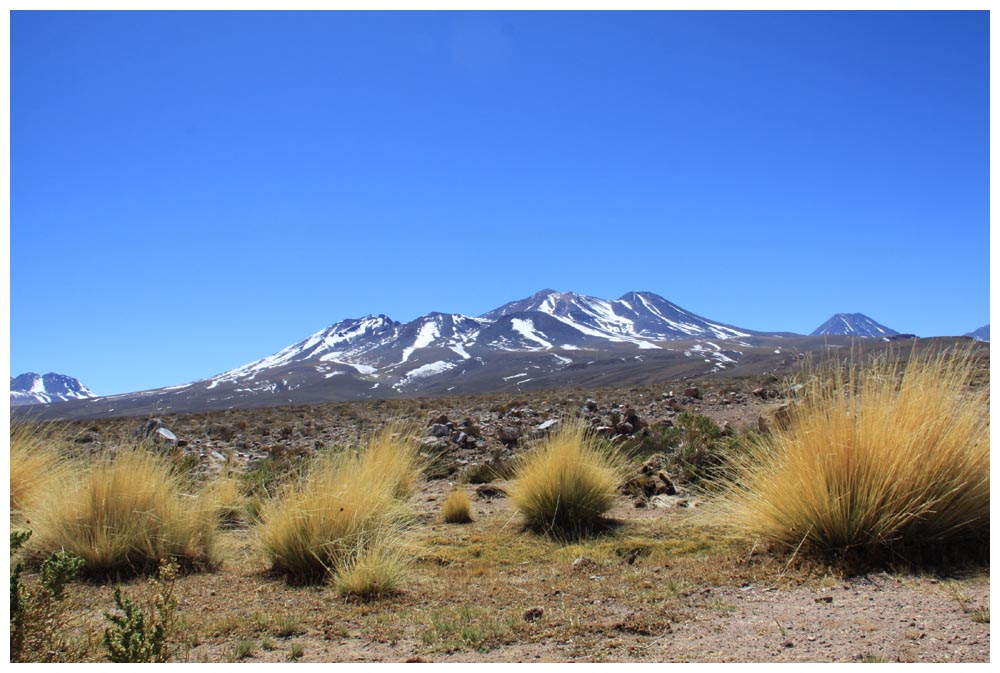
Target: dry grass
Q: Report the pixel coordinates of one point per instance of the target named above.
(457, 508)
(567, 483)
(122, 515)
(35, 466)
(345, 500)
(224, 497)
(376, 569)
(884, 455)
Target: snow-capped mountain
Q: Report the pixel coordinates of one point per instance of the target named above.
(981, 334)
(853, 324)
(636, 317)
(30, 388)
(548, 340)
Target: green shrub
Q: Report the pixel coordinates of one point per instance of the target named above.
(37, 619)
(140, 633)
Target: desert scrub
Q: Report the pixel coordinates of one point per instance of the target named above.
(141, 632)
(38, 619)
(344, 502)
(122, 515)
(457, 507)
(876, 456)
(567, 483)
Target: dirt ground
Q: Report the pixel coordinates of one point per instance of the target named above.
(659, 586)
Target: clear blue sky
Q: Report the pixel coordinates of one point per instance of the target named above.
(192, 191)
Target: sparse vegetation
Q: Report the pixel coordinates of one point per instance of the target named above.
(884, 455)
(457, 507)
(344, 503)
(122, 515)
(566, 484)
(37, 615)
(141, 633)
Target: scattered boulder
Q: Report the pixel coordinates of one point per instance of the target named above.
(692, 392)
(509, 434)
(156, 432)
(591, 405)
(439, 430)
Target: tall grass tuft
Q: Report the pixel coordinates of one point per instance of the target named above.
(567, 483)
(122, 515)
(883, 455)
(457, 507)
(344, 501)
(376, 567)
(35, 466)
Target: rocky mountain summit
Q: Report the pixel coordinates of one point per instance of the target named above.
(853, 324)
(31, 388)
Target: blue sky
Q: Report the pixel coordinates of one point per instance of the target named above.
(191, 191)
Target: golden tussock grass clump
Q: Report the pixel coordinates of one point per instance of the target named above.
(376, 567)
(35, 466)
(343, 503)
(567, 483)
(457, 508)
(224, 496)
(122, 515)
(884, 455)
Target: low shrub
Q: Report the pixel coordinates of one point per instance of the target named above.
(140, 632)
(37, 617)
(881, 456)
(457, 507)
(122, 515)
(344, 501)
(567, 483)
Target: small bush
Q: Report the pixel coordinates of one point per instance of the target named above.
(457, 507)
(140, 633)
(122, 516)
(344, 501)
(568, 482)
(37, 618)
(879, 456)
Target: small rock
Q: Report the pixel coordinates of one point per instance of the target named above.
(489, 492)
(439, 430)
(692, 392)
(509, 434)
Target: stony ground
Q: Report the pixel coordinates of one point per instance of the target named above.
(659, 586)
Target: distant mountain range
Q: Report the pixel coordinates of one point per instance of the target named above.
(30, 388)
(548, 340)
